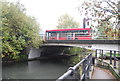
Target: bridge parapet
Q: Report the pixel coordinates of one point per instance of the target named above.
(84, 41)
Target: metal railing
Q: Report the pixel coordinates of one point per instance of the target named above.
(73, 73)
(112, 58)
(100, 37)
(69, 38)
(81, 71)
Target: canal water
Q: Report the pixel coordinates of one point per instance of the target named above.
(38, 69)
(44, 69)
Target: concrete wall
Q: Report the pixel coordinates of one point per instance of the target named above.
(34, 53)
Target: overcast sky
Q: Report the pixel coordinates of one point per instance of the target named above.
(47, 12)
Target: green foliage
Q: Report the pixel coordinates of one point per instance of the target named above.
(74, 60)
(66, 21)
(80, 54)
(104, 15)
(18, 30)
(76, 50)
(117, 54)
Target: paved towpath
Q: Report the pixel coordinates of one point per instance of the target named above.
(100, 73)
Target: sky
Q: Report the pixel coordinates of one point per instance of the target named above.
(47, 12)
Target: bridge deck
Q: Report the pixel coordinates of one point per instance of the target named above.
(84, 41)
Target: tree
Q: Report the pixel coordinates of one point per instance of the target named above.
(19, 31)
(118, 25)
(104, 15)
(66, 21)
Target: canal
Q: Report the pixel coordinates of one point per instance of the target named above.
(46, 68)
(38, 69)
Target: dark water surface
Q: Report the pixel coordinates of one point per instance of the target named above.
(38, 69)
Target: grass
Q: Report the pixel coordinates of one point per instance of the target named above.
(117, 54)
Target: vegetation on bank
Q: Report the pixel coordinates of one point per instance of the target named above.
(19, 31)
(79, 52)
(117, 54)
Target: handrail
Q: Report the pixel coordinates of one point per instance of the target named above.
(86, 65)
(111, 57)
(100, 37)
(86, 68)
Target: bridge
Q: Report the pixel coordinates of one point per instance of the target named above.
(84, 41)
(89, 44)
(93, 66)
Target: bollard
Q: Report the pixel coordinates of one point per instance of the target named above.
(110, 56)
(96, 53)
(114, 59)
(93, 60)
(119, 63)
(102, 55)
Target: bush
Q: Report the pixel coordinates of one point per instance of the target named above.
(19, 30)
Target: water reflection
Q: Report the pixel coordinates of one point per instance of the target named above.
(48, 68)
(34, 70)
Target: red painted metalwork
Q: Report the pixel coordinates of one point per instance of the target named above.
(69, 34)
(69, 29)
